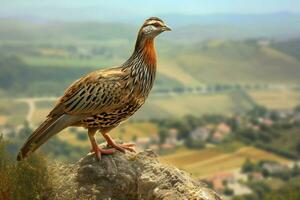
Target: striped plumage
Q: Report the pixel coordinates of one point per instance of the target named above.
(104, 98)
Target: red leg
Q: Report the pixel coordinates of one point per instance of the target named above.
(95, 148)
(120, 147)
(104, 151)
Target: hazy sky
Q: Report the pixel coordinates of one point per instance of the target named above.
(122, 8)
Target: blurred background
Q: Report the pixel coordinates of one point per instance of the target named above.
(226, 103)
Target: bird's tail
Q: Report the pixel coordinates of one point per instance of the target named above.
(47, 129)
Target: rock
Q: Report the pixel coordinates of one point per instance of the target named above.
(130, 176)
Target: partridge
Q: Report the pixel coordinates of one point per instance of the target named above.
(101, 100)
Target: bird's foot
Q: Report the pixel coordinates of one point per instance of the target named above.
(104, 151)
(99, 151)
(122, 147)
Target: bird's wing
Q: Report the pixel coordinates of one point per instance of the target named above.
(92, 94)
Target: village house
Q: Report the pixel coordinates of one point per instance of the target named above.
(154, 147)
(223, 128)
(217, 137)
(167, 147)
(154, 138)
(200, 134)
(221, 131)
(273, 167)
(172, 137)
(283, 114)
(220, 180)
(255, 176)
(143, 142)
(148, 142)
(265, 121)
(253, 127)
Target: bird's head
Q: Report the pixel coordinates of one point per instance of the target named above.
(152, 27)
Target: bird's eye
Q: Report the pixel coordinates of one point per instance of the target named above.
(156, 24)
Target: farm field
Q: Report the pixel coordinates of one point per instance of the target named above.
(287, 141)
(189, 66)
(203, 163)
(177, 105)
(12, 112)
(3, 120)
(96, 63)
(180, 105)
(39, 115)
(283, 99)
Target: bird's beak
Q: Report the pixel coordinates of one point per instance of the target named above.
(166, 28)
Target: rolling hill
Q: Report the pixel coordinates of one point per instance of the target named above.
(55, 54)
(278, 26)
(291, 47)
(218, 61)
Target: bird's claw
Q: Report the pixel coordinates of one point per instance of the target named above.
(99, 151)
(123, 147)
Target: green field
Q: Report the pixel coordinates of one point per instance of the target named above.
(288, 140)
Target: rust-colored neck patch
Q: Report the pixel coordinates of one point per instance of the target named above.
(148, 51)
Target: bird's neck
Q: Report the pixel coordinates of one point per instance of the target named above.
(145, 47)
(143, 57)
(142, 65)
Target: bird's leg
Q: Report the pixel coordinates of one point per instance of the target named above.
(95, 148)
(120, 147)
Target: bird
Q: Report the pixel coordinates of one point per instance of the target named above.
(101, 100)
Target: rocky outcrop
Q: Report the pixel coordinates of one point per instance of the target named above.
(130, 176)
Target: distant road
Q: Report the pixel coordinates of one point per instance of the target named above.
(32, 106)
(36, 99)
(211, 89)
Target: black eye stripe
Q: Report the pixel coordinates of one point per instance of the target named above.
(156, 24)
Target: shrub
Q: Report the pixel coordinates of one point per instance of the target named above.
(81, 136)
(228, 192)
(248, 166)
(290, 191)
(28, 179)
(194, 144)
